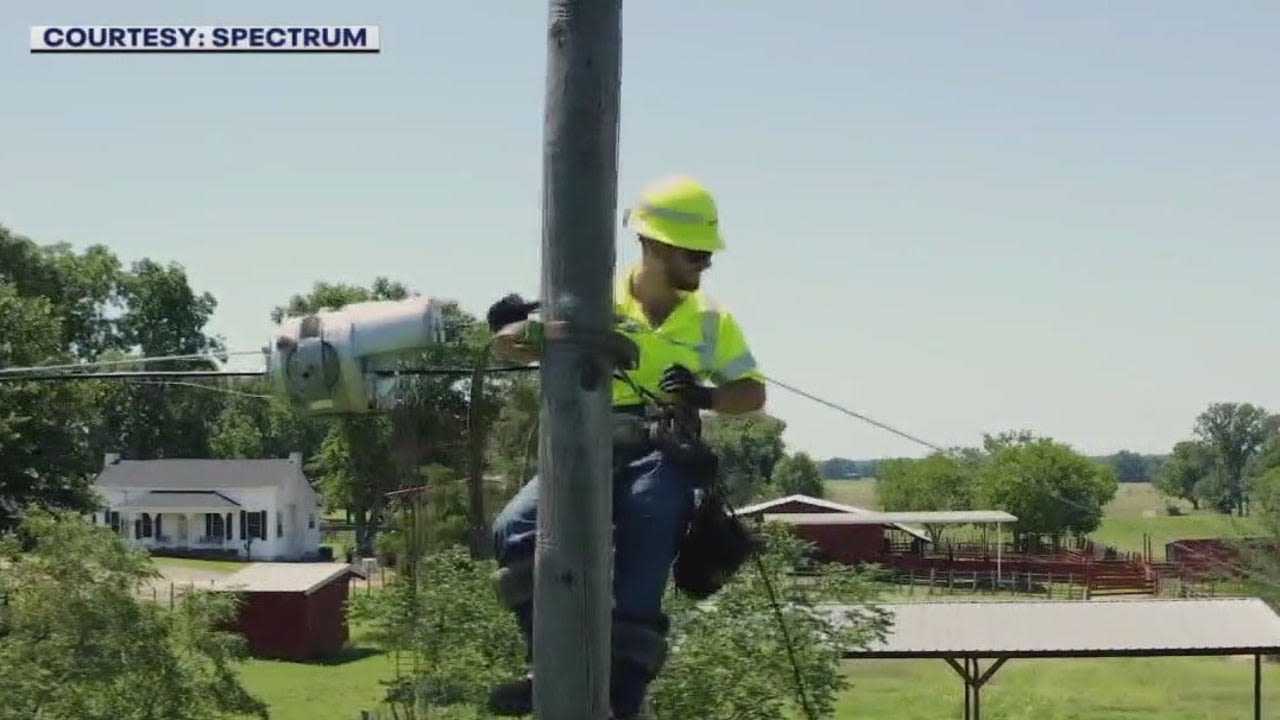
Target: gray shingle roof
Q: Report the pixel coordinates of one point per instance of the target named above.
(184, 474)
(1075, 628)
(164, 499)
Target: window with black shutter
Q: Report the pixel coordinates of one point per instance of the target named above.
(254, 526)
(213, 529)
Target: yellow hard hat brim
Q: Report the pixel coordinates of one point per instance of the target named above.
(703, 238)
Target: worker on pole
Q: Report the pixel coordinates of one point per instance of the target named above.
(684, 339)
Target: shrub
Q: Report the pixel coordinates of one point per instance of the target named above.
(78, 642)
(729, 654)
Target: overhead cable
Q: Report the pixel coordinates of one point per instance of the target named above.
(123, 361)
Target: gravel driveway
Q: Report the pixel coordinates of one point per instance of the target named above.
(176, 579)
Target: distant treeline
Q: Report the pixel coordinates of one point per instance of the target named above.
(1129, 466)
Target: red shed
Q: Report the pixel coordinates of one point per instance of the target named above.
(845, 543)
(292, 611)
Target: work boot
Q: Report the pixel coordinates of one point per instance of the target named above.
(513, 698)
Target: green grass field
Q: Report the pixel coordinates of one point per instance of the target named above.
(1121, 689)
(339, 690)
(1068, 689)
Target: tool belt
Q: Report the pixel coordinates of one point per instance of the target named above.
(715, 543)
(639, 431)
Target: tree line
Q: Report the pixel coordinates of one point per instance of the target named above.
(1230, 462)
(1128, 465)
(59, 306)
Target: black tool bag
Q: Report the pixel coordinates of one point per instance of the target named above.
(713, 549)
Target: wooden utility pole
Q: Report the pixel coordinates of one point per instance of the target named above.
(572, 596)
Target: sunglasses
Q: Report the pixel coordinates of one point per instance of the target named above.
(693, 257)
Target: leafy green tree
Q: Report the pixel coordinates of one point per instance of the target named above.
(444, 619)
(1268, 456)
(1051, 488)
(254, 423)
(77, 640)
(1181, 476)
(355, 471)
(1235, 432)
(83, 290)
(1260, 564)
(161, 316)
(335, 296)
(798, 474)
(1130, 466)
(940, 481)
(748, 447)
(164, 315)
(513, 438)
(44, 427)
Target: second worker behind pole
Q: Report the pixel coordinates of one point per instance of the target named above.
(684, 338)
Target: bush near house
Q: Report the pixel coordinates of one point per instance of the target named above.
(76, 641)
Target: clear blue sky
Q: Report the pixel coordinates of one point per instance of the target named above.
(953, 217)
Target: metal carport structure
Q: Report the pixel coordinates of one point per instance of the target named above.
(963, 633)
(999, 518)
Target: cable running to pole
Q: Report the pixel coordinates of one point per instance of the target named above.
(126, 361)
(851, 413)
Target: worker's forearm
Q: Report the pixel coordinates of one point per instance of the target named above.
(506, 345)
(738, 397)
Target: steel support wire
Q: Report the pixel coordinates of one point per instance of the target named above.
(190, 374)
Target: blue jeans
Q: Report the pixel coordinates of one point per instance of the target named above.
(652, 502)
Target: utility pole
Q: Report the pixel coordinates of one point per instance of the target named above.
(573, 587)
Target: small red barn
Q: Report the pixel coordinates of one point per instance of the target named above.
(835, 542)
(292, 611)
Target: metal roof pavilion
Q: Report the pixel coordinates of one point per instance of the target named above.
(901, 519)
(962, 633)
(758, 509)
(933, 517)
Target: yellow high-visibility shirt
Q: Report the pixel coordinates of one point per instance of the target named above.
(698, 334)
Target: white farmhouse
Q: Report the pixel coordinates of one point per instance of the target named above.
(251, 509)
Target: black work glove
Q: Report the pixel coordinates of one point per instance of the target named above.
(680, 381)
(508, 310)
